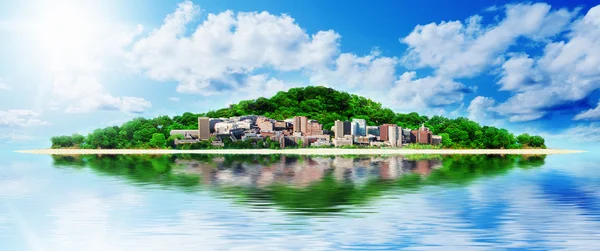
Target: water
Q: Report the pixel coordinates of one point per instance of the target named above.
(299, 203)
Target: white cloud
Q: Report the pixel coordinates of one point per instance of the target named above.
(479, 108)
(591, 114)
(227, 46)
(458, 49)
(16, 136)
(411, 93)
(174, 99)
(85, 94)
(352, 72)
(583, 133)
(568, 71)
(21, 118)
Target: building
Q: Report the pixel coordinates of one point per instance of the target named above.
(363, 140)
(300, 124)
(313, 128)
(187, 134)
(406, 136)
(213, 122)
(395, 136)
(265, 125)
(353, 128)
(347, 128)
(373, 130)
(203, 128)
(383, 131)
(252, 136)
(281, 125)
(361, 127)
(338, 129)
(421, 136)
(436, 139)
(345, 141)
(225, 127)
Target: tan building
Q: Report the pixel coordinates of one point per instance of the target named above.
(203, 128)
(265, 125)
(300, 124)
(338, 129)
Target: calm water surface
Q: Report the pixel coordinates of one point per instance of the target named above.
(299, 203)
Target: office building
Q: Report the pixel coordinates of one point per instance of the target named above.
(353, 128)
(361, 127)
(300, 124)
(347, 128)
(203, 128)
(395, 136)
(383, 131)
(338, 129)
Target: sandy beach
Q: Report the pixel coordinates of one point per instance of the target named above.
(305, 151)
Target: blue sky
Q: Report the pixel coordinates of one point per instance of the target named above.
(73, 66)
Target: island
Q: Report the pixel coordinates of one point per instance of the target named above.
(313, 120)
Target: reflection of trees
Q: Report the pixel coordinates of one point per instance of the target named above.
(311, 185)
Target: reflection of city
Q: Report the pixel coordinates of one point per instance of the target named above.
(301, 171)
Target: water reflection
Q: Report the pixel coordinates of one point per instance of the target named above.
(300, 184)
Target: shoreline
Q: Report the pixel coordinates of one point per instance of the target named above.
(301, 151)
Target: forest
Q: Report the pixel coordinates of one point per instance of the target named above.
(315, 102)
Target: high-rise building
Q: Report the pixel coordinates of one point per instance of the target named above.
(353, 128)
(361, 127)
(203, 128)
(383, 131)
(395, 135)
(338, 129)
(347, 128)
(300, 124)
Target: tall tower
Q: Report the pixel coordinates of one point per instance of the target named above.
(300, 124)
(339, 129)
(203, 128)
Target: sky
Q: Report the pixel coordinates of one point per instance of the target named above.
(74, 66)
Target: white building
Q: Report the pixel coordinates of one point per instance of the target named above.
(395, 136)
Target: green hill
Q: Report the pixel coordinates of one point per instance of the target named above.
(316, 102)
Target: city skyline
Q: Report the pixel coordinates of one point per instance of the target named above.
(74, 66)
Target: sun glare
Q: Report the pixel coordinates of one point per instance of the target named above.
(65, 33)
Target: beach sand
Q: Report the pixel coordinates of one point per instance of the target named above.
(302, 151)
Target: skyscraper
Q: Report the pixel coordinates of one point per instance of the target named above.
(347, 128)
(353, 128)
(339, 129)
(361, 128)
(300, 124)
(203, 128)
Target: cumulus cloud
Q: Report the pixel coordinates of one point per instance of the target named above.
(412, 93)
(479, 108)
(227, 46)
(85, 94)
(21, 118)
(174, 99)
(568, 71)
(464, 49)
(591, 114)
(354, 72)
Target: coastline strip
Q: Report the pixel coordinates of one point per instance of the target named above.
(302, 151)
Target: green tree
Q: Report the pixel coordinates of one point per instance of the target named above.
(158, 140)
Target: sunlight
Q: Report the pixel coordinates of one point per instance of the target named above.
(65, 33)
